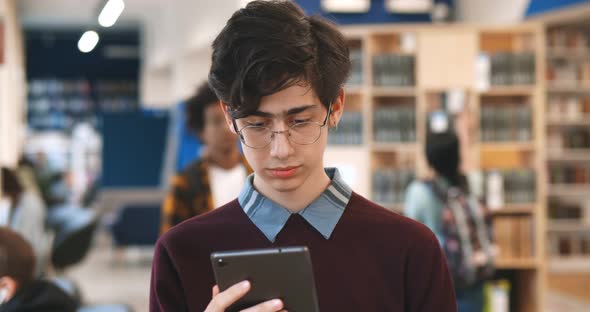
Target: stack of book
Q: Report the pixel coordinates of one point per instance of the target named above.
(562, 107)
(560, 210)
(58, 104)
(117, 96)
(393, 70)
(356, 70)
(520, 186)
(395, 124)
(575, 173)
(509, 68)
(389, 185)
(510, 122)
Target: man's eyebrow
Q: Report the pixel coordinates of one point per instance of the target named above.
(292, 111)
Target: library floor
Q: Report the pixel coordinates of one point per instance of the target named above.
(105, 277)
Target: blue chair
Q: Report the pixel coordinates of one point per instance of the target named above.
(137, 225)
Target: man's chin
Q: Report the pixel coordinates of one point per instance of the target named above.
(285, 185)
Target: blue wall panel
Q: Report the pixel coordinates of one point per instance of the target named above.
(546, 6)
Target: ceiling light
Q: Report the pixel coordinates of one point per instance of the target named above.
(110, 13)
(88, 41)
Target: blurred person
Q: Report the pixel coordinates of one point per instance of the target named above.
(27, 216)
(20, 291)
(279, 75)
(26, 174)
(435, 202)
(52, 184)
(217, 176)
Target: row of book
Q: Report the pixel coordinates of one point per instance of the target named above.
(570, 244)
(80, 87)
(506, 123)
(567, 38)
(389, 185)
(349, 131)
(394, 124)
(116, 87)
(59, 104)
(512, 68)
(563, 74)
(73, 105)
(393, 70)
(574, 173)
(568, 107)
(515, 186)
(570, 138)
(58, 87)
(514, 237)
(560, 210)
(58, 121)
(356, 69)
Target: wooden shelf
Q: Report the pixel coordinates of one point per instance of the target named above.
(562, 122)
(568, 89)
(568, 53)
(495, 146)
(394, 147)
(354, 89)
(394, 91)
(569, 155)
(516, 263)
(455, 71)
(516, 90)
(569, 264)
(567, 226)
(515, 209)
(569, 190)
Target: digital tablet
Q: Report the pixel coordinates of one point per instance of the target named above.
(276, 273)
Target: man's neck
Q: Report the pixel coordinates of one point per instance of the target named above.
(299, 198)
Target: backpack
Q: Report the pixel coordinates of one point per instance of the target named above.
(467, 236)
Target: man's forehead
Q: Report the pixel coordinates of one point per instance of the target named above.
(282, 110)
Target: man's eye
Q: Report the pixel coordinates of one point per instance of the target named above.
(298, 121)
(257, 124)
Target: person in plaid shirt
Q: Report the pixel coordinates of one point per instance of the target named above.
(217, 176)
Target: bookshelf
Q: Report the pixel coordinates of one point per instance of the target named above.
(436, 61)
(568, 144)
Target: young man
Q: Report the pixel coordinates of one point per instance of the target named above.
(279, 75)
(19, 290)
(217, 176)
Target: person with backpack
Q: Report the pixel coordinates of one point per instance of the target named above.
(444, 204)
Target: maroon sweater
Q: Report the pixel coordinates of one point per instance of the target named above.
(375, 260)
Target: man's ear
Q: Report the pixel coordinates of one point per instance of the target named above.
(228, 119)
(10, 286)
(337, 109)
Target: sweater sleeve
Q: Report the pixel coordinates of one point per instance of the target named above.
(166, 292)
(429, 284)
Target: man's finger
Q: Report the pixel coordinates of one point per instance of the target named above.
(267, 306)
(225, 298)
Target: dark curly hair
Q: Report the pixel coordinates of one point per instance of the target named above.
(196, 105)
(269, 46)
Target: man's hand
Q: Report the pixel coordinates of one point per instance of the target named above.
(222, 300)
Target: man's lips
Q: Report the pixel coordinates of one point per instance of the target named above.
(284, 172)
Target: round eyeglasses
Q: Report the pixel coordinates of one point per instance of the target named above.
(302, 133)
